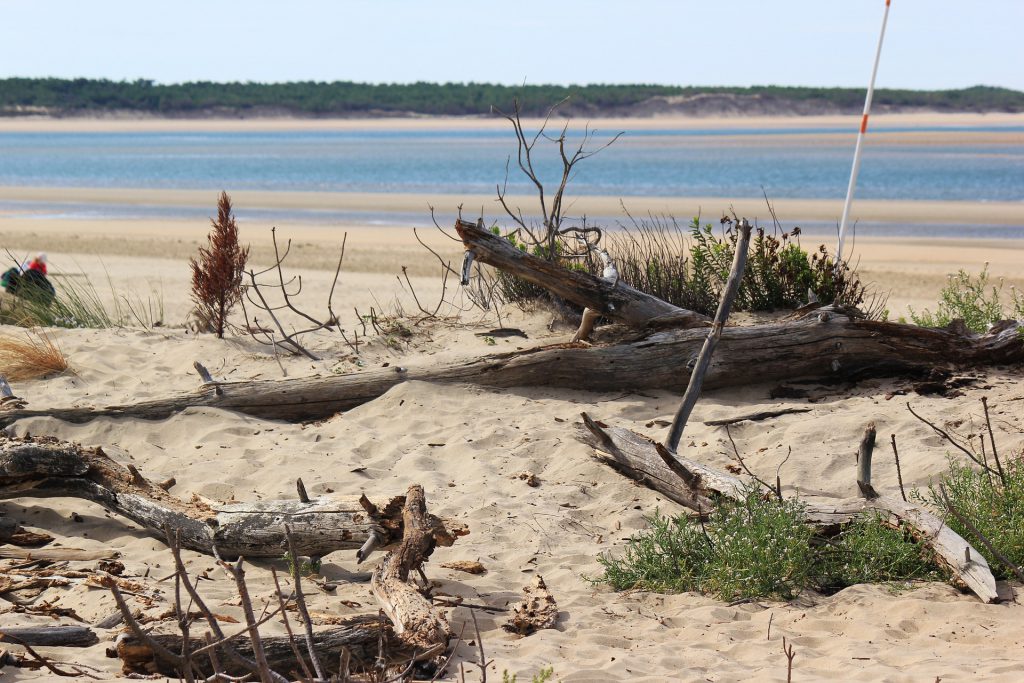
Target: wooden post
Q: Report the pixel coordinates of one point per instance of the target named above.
(867, 446)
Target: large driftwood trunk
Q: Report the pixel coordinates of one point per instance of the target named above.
(49, 636)
(696, 485)
(613, 299)
(824, 345)
(48, 468)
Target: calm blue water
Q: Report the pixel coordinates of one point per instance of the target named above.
(782, 163)
(646, 163)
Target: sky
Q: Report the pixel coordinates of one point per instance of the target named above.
(929, 44)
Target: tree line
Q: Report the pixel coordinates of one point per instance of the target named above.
(342, 98)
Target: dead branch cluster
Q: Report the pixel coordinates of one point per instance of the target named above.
(409, 636)
(269, 292)
(553, 209)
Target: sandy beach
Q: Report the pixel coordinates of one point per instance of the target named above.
(911, 271)
(467, 445)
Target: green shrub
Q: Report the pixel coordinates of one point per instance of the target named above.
(971, 299)
(756, 549)
(779, 273)
(671, 556)
(868, 551)
(993, 504)
(688, 267)
(760, 548)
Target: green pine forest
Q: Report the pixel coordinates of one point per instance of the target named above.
(80, 96)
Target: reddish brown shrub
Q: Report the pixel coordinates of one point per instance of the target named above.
(217, 274)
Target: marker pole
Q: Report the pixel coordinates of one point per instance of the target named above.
(860, 140)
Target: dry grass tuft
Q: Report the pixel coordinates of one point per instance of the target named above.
(32, 358)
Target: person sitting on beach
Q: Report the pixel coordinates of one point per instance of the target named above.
(39, 263)
(29, 281)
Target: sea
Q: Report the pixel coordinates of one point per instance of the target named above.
(736, 162)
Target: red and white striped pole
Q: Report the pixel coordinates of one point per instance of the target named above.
(860, 140)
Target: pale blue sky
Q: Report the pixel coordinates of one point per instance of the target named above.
(929, 43)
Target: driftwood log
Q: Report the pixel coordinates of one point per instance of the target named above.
(48, 468)
(49, 636)
(824, 345)
(15, 534)
(611, 298)
(695, 486)
(415, 619)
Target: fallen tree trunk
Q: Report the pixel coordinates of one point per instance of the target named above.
(695, 486)
(49, 636)
(47, 468)
(824, 345)
(613, 299)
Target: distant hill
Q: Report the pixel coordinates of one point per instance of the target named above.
(85, 97)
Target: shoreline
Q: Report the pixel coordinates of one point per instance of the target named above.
(673, 121)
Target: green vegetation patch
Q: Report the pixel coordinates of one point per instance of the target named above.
(688, 267)
(761, 548)
(973, 299)
(992, 502)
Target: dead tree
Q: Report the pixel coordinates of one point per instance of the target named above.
(552, 209)
(825, 345)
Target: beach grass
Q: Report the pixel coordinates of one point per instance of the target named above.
(34, 357)
(79, 304)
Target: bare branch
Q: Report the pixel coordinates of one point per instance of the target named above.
(300, 600)
(944, 434)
